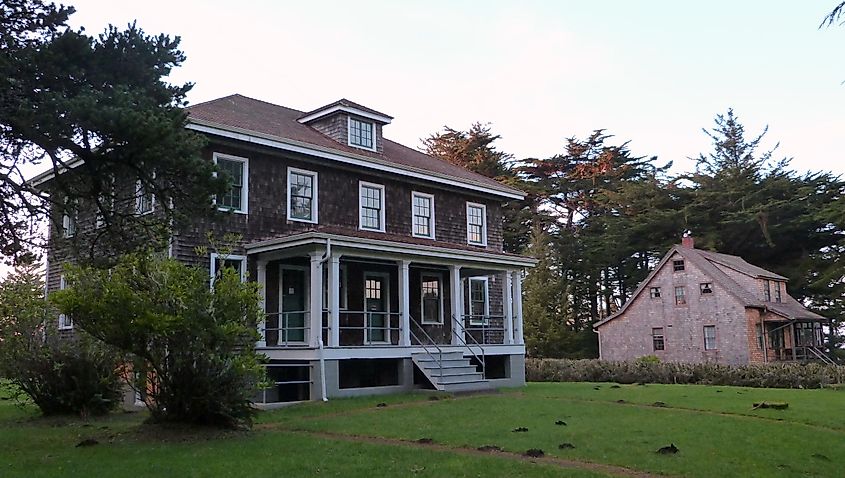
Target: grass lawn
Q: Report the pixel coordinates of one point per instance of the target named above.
(615, 431)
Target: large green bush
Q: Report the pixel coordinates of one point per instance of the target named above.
(776, 375)
(196, 342)
(74, 374)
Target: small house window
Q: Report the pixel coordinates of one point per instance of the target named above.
(767, 290)
(371, 206)
(478, 304)
(361, 133)
(422, 211)
(709, 337)
(655, 292)
(236, 170)
(477, 224)
(144, 198)
(778, 296)
(69, 220)
(220, 262)
(680, 296)
(759, 329)
(706, 288)
(432, 299)
(657, 340)
(65, 322)
(678, 266)
(302, 195)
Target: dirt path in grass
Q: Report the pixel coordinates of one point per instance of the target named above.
(609, 470)
(697, 411)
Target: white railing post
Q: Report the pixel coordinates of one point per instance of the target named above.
(261, 277)
(456, 297)
(334, 300)
(315, 303)
(518, 337)
(508, 309)
(404, 303)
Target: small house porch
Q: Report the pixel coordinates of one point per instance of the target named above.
(793, 340)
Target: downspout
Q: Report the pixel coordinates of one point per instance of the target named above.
(323, 393)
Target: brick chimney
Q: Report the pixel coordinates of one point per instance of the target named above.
(688, 241)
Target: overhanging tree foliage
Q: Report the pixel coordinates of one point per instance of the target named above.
(67, 97)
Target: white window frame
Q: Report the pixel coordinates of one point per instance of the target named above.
(67, 221)
(226, 257)
(385, 292)
(349, 133)
(65, 323)
(715, 337)
(483, 224)
(139, 194)
(486, 281)
(244, 209)
(383, 206)
(314, 197)
(439, 276)
(430, 197)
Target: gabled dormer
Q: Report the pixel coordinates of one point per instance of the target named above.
(349, 123)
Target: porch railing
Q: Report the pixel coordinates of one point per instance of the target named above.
(292, 329)
(470, 343)
(437, 353)
(360, 328)
(484, 329)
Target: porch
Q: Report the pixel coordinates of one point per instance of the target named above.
(793, 340)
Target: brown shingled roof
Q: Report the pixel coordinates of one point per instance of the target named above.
(240, 112)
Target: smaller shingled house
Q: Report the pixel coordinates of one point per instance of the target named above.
(702, 306)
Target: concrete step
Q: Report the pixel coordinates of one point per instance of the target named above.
(471, 386)
(446, 364)
(464, 378)
(436, 372)
(424, 357)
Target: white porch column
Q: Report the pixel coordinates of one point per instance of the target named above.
(334, 300)
(315, 303)
(516, 277)
(261, 276)
(508, 308)
(404, 303)
(456, 295)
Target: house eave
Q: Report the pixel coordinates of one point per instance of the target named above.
(289, 145)
(346, 109)
(388, 247)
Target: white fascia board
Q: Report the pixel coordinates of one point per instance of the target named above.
(51, 173)
(346, 109)
(361, 161)
(388, 247)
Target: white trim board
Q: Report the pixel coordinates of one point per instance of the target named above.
(347, 158)
(346, 109)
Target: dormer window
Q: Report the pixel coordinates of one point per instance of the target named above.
(778, 297)
(767, 290)
(362, 133)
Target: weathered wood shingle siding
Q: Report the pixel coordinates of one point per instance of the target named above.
(337, 203)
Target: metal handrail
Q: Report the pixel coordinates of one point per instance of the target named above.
(439, 358)
(367, 328)
(483, 359)
(284, 330)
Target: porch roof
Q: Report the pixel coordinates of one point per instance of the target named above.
(391, 244)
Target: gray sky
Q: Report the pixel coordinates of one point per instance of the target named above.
(652, 72)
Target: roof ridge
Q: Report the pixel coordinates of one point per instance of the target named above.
(238, 95)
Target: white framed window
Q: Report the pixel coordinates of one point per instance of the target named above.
(144, 198)
(69, 220)
(236, 199)
(778, 293)
(371, 206)
(422, 215)
(476, 224)
(709, 337)
(655, 292)
(362, 134)
(431, 298)
(65, 322)
(478, 305)
(680, 295)
(302, 195)
(342, 285)
(658, 342)
(219, 261)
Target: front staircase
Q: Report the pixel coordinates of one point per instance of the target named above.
(450, 371)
